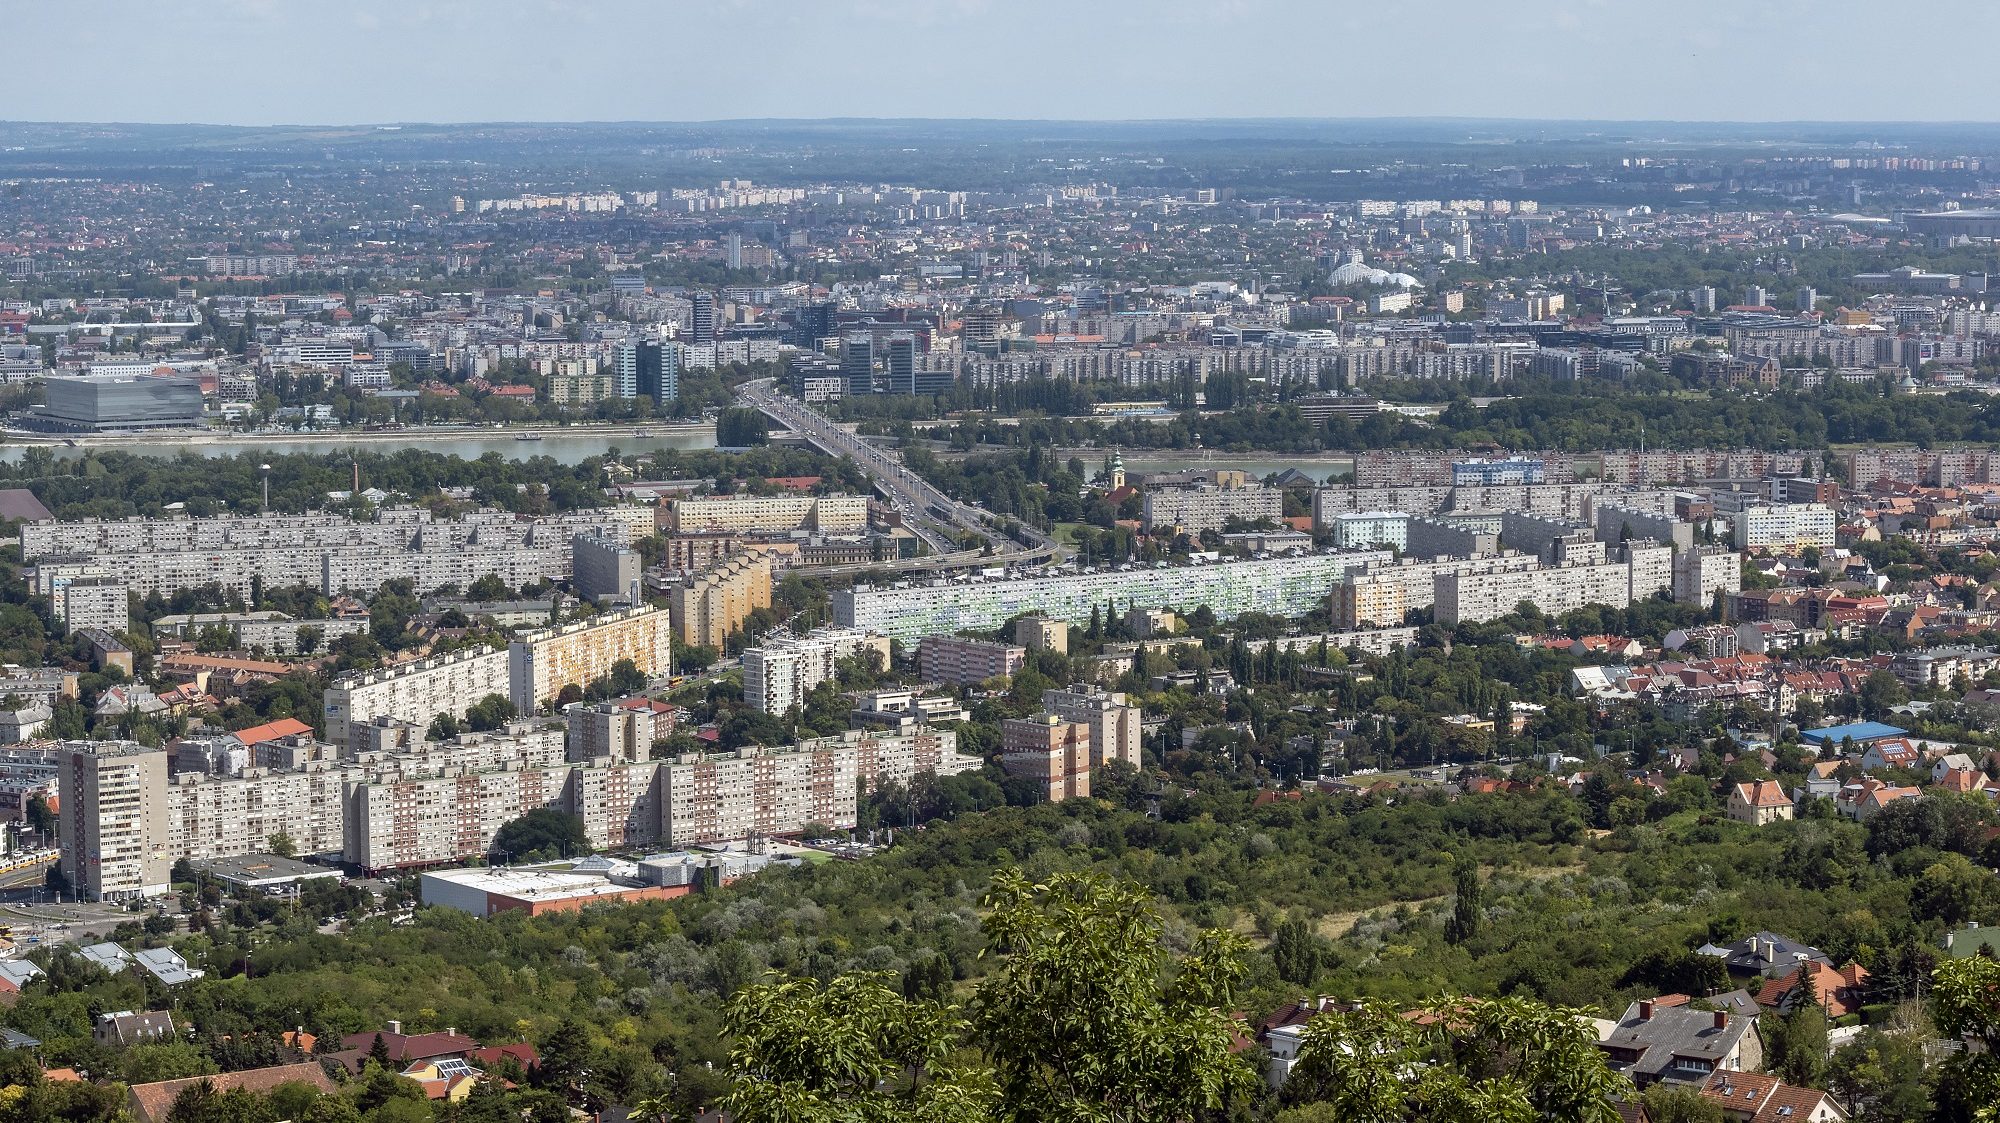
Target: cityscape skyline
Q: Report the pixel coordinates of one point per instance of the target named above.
(534, 61)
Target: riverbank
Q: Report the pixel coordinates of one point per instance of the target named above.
(527, 434)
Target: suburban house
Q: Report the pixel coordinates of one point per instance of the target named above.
(1891, 752)
(1752, 1097)
(1765, 954)
(152, 1103)
(1862, 799)
(1840, 992)
(1652, 1044)
(1759, 803)
(128, 1028)
(1949, 763)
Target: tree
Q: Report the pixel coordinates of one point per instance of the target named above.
(1883, 1072)
(1965, 1003)
(568, 1056)
(1798, 1038)
(1296, 951)
(1668, 1103)
(282, 845)
(490, 712)
(540, 834)
(1470, 1060)
(1077, 1019)
(378, 1051)
(1466, 908)
(852, 1049)
(443, 728)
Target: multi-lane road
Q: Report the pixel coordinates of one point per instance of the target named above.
(930, 513)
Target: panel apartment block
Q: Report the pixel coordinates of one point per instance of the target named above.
(414, 692)
(967, 662)
(776, 514)
(584, 651)
(1289, 586)
(1474, 597)
(112, 835)
(779, 674)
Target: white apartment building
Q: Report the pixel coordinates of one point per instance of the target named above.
(766, 791)
(1372, 528)
(1486, 596)
(1788, 526)
(828, 514)
(1702, 572)
(779, 674)
(95, 603)
(222, 816)
(414, 692)
(112, 835)
(1209, 507)
(621, 731)
(1281, 586)
(582, 652)
(1115, 732)
(1383, 594)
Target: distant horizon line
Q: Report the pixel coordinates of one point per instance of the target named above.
(1003, 120)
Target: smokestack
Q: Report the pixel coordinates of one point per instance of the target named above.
(1721, 1019)
(1646, 1010)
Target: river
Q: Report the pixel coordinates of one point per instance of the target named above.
(566, 446)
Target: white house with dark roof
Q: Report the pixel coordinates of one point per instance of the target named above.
(1653, 1044)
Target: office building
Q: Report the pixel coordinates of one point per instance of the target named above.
(757, 791)
(779, 674)
(1757, 296)
(1807, 298)
(769, 514)
(979, 330)
(1371, 528)
(648, 368)
(579, 653)
(702, 323)
(1789, 526)
(1115, 728)
(413, 692)
(857, 362)
(113, 828)
(967, 662)
(1052, 753)
(711, 606)
(603, 568)
(1283, 586)
(900, 364)
(115, 404)
(812, 323)
(95, 602)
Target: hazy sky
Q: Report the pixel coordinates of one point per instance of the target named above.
(356, 61)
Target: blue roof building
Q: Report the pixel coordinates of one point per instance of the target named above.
(1862, 733)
